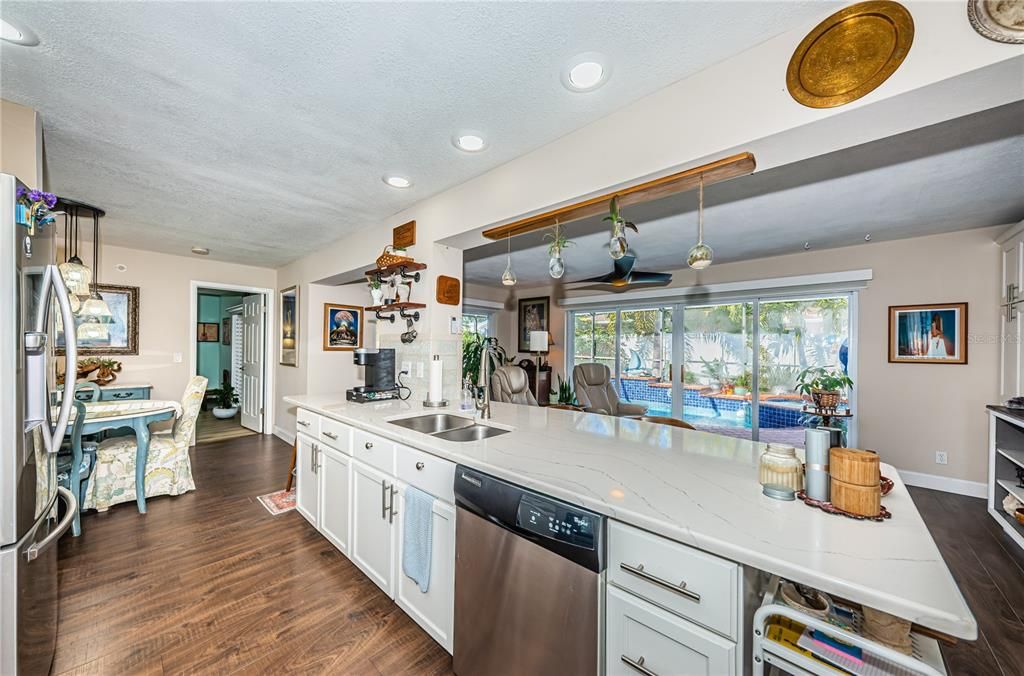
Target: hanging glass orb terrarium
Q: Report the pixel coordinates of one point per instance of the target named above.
(701, 255)
(617, 244)
(556, 266)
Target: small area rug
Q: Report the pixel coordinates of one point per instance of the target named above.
(278, 502)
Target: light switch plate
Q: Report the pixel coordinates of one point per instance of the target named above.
(177, 357)
(455, 328)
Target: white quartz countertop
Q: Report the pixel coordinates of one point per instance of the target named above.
(700, 489)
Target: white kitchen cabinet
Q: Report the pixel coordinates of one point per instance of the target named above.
(433, 610)
(1011, 381)
(307, 484)
(642, 638)
(373, 524)
(335, 480)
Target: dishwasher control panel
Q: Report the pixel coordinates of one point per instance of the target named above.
(556, 520)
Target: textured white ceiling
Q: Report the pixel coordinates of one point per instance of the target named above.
(965, 173)
(261, 130)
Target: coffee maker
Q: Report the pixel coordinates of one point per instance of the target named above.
(379, 377)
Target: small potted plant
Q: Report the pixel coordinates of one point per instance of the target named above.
(742, 384)
(226, 403)
(559, 242)
(823, 385)
(376, 292)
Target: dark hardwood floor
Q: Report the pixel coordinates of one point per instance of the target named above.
(209, 582)
(989, 568)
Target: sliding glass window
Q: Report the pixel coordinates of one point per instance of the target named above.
(739, 360)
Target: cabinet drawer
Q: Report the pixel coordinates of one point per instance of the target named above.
(336, 435)
(643, 639)
(427, 472)
(307, 423)
(374, 451)
(119, 394)
(681, 579)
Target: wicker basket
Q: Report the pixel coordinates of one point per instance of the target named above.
(826, 400)
(389, 257)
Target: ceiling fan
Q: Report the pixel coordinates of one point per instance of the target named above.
(624, 274)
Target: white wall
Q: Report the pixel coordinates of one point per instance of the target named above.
(165, 328)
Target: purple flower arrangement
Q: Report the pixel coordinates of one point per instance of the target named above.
(34, 197)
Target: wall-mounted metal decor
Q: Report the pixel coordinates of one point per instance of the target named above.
(850, 53)
(999, 20)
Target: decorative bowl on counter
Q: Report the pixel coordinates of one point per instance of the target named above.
(1019, 515)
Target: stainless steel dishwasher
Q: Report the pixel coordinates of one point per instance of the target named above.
(527, 581)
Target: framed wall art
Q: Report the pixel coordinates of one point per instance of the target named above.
(289, 326)
(928, 334)
(122, 335)
(534, 314)
(208, 332)
(343, 327)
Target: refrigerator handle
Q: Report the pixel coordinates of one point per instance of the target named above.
(32, 553)
(52, 279)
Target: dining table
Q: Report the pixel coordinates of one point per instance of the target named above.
(112, 415)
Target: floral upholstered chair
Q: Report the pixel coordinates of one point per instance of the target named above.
(168, 468)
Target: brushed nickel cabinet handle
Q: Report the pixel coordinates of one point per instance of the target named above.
(330, 435)
(638, 665)
(368, 445)
(420, 465)
(680, 588)
(304, 423)
(383, 499)
(391, 507)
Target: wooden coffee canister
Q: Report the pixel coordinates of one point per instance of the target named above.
(856, 479)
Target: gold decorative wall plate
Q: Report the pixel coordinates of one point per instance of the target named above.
(850, 53)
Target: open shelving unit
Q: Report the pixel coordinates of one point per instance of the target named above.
(407, 270)
(771, 656)
(1006, 459)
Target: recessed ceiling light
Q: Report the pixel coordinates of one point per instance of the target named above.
(17, 35)
(471, 143)
(586, 72)
(396, 181)
(200, 251)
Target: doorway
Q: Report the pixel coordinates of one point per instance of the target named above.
(230, 339)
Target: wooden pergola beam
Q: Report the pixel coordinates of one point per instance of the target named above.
(741, 164)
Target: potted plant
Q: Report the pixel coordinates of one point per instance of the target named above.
(823, 385)
(566, 394)
(559, 242)
(742, 384)
(376, 292)
(617, 245)
(226, 403)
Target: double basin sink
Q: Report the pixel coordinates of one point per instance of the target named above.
(449, 427)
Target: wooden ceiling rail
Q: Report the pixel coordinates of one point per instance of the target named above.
(741, 164)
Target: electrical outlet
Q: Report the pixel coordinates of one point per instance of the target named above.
(941, 458)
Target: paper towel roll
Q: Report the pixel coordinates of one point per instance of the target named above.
(434, 387)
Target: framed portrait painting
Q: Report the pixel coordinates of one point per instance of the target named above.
(534, 315)
(343, 327)
(928, 334)
(122, 335)
(289, 323)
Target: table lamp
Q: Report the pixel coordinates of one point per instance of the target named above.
(538, 345)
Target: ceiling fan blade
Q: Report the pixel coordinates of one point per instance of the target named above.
(603, 279)
(641, 277)
(623, 266)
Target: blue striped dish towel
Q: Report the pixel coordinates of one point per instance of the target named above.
(417, 536)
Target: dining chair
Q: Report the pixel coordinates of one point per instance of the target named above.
(665, 420)
(168, 467)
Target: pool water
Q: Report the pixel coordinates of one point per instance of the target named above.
(700, 415)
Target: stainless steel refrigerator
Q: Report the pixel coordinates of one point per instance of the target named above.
(31, 294)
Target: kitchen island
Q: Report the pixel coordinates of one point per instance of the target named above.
(698, 489)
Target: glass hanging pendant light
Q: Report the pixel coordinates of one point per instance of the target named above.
(701, 254)
(73, 271)
(91, 330)
(95, 309)
(556, 266)
(508, 278)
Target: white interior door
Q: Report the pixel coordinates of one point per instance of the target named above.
(251, 396)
